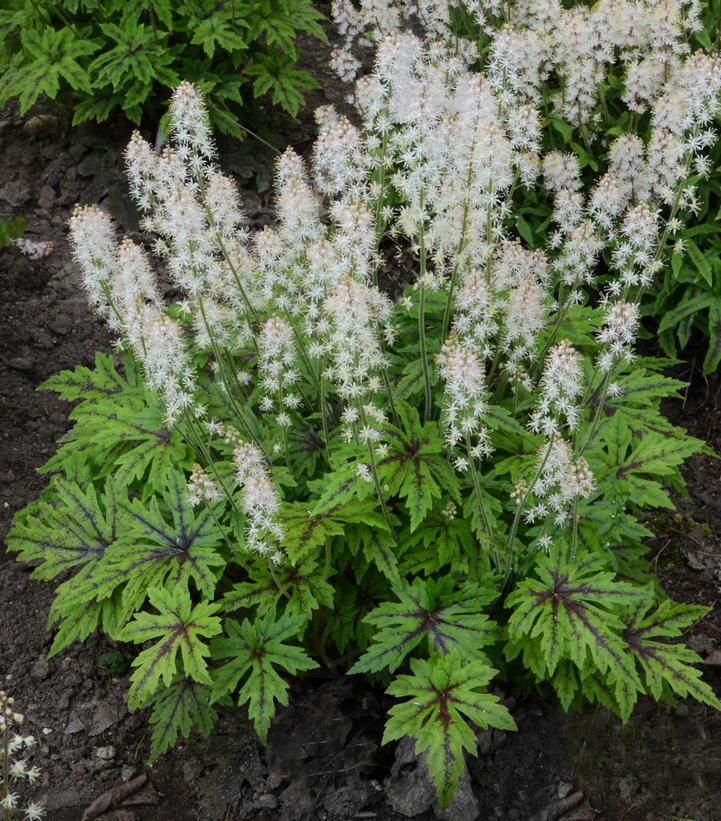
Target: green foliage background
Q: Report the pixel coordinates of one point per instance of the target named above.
(102, 56)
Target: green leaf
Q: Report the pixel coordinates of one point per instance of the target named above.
(444, 696)
(430, 610)
(256, 649)
(703, 266)
(138, 55)
(179, 627)
(166, 543)
(72, 529)
(570, 612)
(713, 354)
(692, 302)
(300, 588)
(51, 56)
(416, 468)
(667, 665)
(119, 427)
(177, 711)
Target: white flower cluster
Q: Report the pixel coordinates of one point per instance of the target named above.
(14, 765)
(560, 482)
(561, 386)
(201, 488)
(463, 374)
(277, 355)
(260, 502)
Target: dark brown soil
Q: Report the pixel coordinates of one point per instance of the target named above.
(323, 760)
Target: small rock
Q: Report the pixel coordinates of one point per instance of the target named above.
(106, 715)
(192, 768)
(409, 791)
(627, 788)
(15, 193)
(60, 324)
(46, 197)
(89, 166)
(701, 643)
(105, 753)
(564, 789)
(21, 363)
(127, 771)
(74, 725)
(41, 668)
(296, 801)
(7, 477)
(346, 801)
(267, 802)
(39, 122)
(713, 659)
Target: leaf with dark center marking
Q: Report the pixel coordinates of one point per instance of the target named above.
(167, 543)
(119, 426)
(449, 620)
(177, 711)
(301, 588)
(666, 664)
(571, 612)
(444, 697)
(256, 649)
(73, 530)
(179, 628)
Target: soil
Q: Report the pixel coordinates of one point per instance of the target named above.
(323, 759)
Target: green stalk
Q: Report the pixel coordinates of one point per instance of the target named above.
(478, 491)
(301, 349)
(227, 378)
(574, 529)
(422, 321)
(519, 512)
(374, 472)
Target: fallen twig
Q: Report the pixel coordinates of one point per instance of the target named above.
(123, 795)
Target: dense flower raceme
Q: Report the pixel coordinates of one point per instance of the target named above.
(435, 163)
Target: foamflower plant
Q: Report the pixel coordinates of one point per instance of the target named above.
(404, 431)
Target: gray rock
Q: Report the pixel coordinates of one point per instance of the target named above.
(15, 193)
(21, 363)
(106, 714)
(346, 801)
(41, 668)
(60, 324)
(267, 802)
(105, 753)
(46, 197)
(192, 768)
(296, 802)
(409, 789)
(90, 165)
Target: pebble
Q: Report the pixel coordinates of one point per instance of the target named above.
(268, 802)
(41, 668)
(46, 197)
(21, 363)
(127, 771)
(105, 753)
